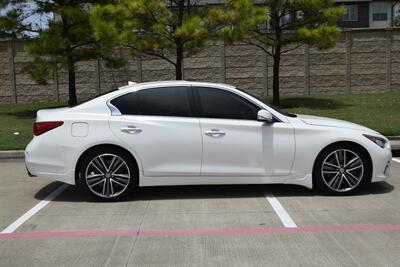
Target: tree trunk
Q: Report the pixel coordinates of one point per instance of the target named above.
(179, 62)
(276, 26)
(71, 82)
(179, 42)
(275, 81)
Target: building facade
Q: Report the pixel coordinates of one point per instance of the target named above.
(369, 14)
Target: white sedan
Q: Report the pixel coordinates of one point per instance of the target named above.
(190, 133)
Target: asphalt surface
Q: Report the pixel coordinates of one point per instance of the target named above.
(198, 225)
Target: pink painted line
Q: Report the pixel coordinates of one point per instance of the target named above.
(105, 233)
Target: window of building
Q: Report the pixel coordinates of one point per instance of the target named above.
(351, 13)
(380, 12)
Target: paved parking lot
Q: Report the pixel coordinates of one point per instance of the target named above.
(198, 226)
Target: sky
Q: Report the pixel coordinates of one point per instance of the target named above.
(37, 20)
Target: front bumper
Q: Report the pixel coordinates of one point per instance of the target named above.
(381, 160)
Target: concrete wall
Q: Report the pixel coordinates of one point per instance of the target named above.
(362, 61)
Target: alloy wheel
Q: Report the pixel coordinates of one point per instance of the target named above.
(107, 175)
(342, 170)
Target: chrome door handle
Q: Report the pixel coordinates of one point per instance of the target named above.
(215, 133)
(131, 130)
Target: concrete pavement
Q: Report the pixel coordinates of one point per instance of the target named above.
(194, 209)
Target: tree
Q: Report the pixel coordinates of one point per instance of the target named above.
(156, 28)
(64, 39)
(395, 14)
(286, 22)
(11, 20)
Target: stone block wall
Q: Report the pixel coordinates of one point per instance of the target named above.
(366, 60)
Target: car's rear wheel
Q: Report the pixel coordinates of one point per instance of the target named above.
(107, 174)
(342, 169)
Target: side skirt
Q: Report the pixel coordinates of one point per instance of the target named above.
(305, 181)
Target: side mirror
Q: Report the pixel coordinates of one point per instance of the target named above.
(264, 115)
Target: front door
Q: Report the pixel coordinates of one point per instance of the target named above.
(235, 143)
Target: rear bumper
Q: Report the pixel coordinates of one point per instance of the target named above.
(29, 173)
(48, 161)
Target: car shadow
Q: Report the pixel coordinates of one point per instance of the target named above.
(75, 194)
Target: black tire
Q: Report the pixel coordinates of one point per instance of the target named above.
(91, 177)
(329, 182)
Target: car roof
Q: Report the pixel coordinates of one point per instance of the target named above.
(147, 85)
(93, 105)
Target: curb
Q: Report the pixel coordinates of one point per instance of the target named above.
(394, 138)
(12, 154)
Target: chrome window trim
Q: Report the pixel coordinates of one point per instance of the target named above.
(113, 109)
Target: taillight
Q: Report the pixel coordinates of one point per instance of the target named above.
(45, 126)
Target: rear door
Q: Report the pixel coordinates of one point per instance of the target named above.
(158, 124)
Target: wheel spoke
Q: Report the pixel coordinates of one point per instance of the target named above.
(355, 163)
(111, 164)
(92, 176)
(111, 187)
(99, 165)
(351, 162)
(352, 176)
(340, 182)
(344, 157)
(97, 168)
(347, 181)
(335, 182)
(115, 181)
(351, 180)
(354, 168)
(97, 182)
(333, 179)
(116, 169)
(108, 188)
(330, 171)
(121, 179)
(337, 158)
(104, 187)
(103, 164)
(121, 175)
(331, 165)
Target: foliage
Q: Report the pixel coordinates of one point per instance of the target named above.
(286, 25)
(65, 38)
(170, 32)
(11, 20)
(396, 21)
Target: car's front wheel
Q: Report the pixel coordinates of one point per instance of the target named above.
(107, 174)
(342, 169)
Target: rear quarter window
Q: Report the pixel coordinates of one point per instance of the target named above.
(127, 104)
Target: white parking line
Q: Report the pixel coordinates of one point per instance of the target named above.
(285, 218)
(27, 215)
(396, 160)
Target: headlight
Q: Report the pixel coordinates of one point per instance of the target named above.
(377, 140)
